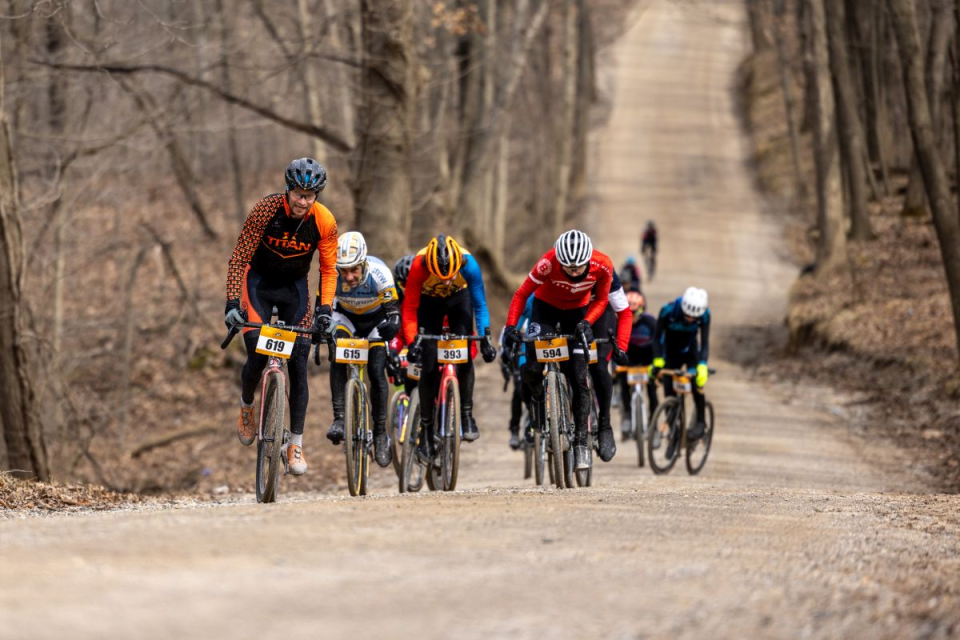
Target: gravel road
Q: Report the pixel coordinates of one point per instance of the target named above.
(795, 528)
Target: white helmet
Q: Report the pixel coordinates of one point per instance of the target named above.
(694, 302)
(351, 250)
(574, 248)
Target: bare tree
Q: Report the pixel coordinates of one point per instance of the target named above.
(19, 413)
(850, 128)
(382, 179)
(945, 219)
(832, 246)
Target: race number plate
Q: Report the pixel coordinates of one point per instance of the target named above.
(276, 342)
(638, 375)
(554, 350)
(682, 383)
(352, 351)
(594, 358)
(451, 351)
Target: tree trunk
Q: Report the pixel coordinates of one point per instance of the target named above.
(307, 67)
(567, 108)
(936, 62)
(785, 85)
(851, 133)
(19, 413)
(919, 110)
(233, 149)
(382, 178)
(832, 246)
(586, 91)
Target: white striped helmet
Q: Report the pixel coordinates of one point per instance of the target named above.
(694, 302)
(574, 248)
(351, 250)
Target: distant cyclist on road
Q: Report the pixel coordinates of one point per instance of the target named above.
(675, 344)
(365, 306)
(630, 274)
(521, 396)
(643, 327)
(648, 247)
(268, 268)
(561, 283)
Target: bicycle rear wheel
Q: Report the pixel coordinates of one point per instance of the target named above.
(367, 440)
(396, 412)
(698, 450)
(555, 424)
(527, 460)
(270, 446)
(354, 445)
(412, 472)
(638, 407)
(666, 428)
(450, 448)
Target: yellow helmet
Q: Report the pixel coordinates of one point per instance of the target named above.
(444, 257)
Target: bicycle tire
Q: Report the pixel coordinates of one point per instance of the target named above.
(527, 461)
(394, 414)
(637, 410)
(693, 461)
(270, 447)
(539, 456)
(353, 436)
(554, 423)
(411, 479)
(569, 433)
(366, 449)
(450, 446)
(668, 422)
(585, 476)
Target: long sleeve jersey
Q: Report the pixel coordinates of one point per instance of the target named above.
(280, 247)
(676, 335)
(420, 282)
(547, 281)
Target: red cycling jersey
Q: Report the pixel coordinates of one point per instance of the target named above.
(549, 283)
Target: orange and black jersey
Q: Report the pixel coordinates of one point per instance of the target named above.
(280, 247)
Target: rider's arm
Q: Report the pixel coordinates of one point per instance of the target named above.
(411, 299)
(659, 333)
(602, 291)
(327, 248)
(519, 301)
(705, 337)
(247, 244)
(474, 277)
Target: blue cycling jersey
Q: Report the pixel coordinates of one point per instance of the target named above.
(674, 335)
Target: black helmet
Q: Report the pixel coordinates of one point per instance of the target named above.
(306, 173)
(402, 269)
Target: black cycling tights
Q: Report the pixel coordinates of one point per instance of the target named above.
(376, 372)
(296, 376)
(603, 387)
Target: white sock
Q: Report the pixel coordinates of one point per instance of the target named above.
(297, 439)
(244, 404)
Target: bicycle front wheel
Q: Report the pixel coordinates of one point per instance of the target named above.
(555, 424)
(638, 418)
(539, 456)
(396, 412)
(450, 447)
(270, 446)
(354, 445)
(666, 430)
(698, 450)
(412, 472)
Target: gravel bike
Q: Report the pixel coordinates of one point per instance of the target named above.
(443, 468)
(668, 434)
(557, 428)
(636, 423)
(276, 340)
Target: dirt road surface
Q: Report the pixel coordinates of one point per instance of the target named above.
(793, 530)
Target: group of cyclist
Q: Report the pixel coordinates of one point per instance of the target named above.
(572, 287)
